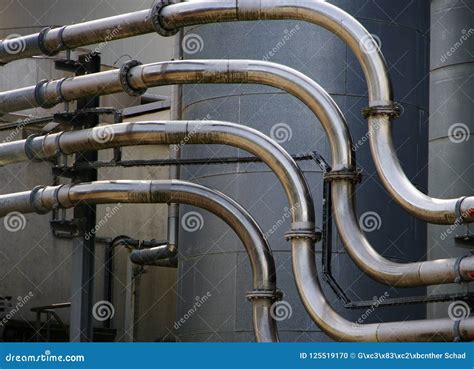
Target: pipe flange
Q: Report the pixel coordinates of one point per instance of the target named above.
(39, 97)
(156, 19)
(393, 111)
(124, 70)
(344, 174)
(35, 200)
(42, 46)
(303, 233)
(31, 155)
(274, 295)
(457, 269)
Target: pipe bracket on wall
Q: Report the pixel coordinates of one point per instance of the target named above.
(124, 72)
(156, 18)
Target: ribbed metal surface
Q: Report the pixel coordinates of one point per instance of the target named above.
(212, 259)
(451, 147)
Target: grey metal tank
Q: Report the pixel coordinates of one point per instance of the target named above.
(212, 260)
(451, 145)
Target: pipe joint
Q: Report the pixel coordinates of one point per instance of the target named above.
(41, 44)
(464, 210)
(392, 111)
(36, 200)
(156, 19)
(353, 175)
(29, 150)
(40, 95)
(124, 81)
(272, 294)
(303, 230)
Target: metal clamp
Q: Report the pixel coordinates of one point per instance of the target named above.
(459, 215)
(39, 97)
(156, 18)
(354, 175)
(393, 111)
(303, 230)
(42, 46)
(457, 269)
(274, 295)
(124, 70)
(59, 88)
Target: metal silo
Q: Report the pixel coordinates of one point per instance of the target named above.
(451, 148)
(212, 260)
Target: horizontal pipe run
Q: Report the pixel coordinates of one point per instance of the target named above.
(166, 19)
(343, 160)
(205, 132)
(45, 199)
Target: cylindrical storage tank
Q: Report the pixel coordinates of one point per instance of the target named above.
(451, 146)
(213, 262)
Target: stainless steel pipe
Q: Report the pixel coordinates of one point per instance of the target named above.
(322, 105)
(45, 199)
(166, 19)
(252, 141)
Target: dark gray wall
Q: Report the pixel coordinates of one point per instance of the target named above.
(451, 146)
(212, 259)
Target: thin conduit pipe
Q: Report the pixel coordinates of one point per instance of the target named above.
(166, 18)
(45, 199)
(41, 200)
(322, 105)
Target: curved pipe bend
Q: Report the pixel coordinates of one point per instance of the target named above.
(320, 103)
(45, 199)
(166, 19)
(206, 132)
